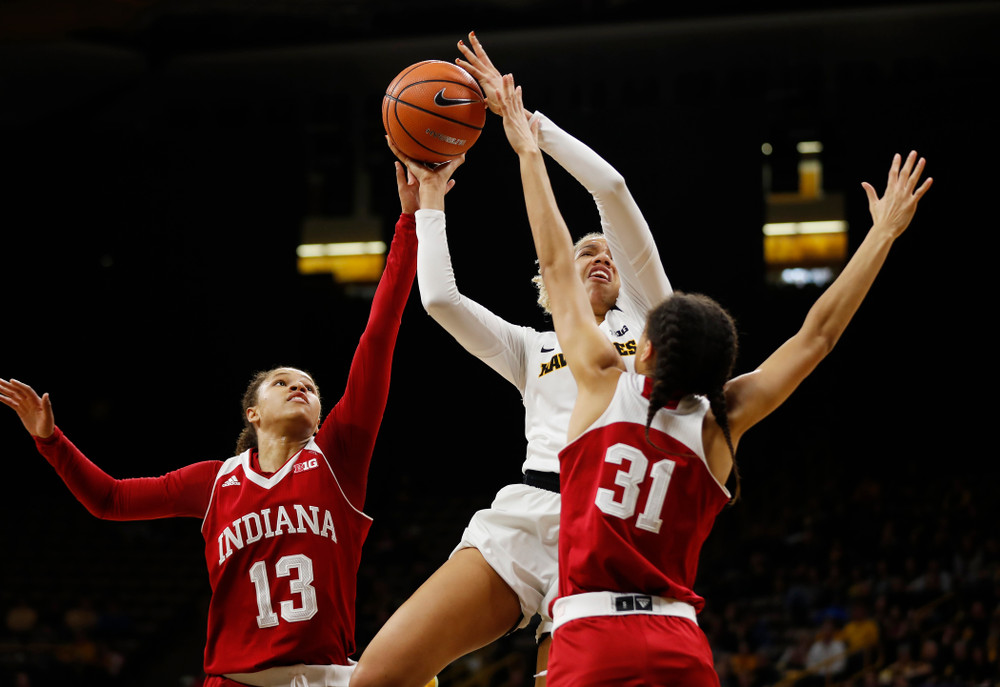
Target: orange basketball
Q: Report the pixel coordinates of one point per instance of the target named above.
(433, 111)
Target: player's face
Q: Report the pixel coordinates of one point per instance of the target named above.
(599, 275)
(287, 397)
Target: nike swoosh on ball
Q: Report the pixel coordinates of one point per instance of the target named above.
(441, 101)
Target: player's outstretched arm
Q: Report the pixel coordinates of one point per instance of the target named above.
(34, 411)
(183, 492)
(751, 397)
(588, 351)
(644, 280)
(485, 335)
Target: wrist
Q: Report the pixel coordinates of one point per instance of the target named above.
(885, 232)
(530, 154)
(431, 199)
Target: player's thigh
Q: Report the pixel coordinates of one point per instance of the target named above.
(542, 661)
(463, 606)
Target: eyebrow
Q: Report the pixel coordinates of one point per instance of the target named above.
(289, 373)
(590, 244)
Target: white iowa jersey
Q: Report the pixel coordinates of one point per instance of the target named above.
(549, 388)
(531, 360)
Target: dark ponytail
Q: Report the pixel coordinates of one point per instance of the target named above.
(248, 437)
(696, 345)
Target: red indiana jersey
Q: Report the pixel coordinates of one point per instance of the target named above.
(634, 517)
(283, 549)
(283, 552)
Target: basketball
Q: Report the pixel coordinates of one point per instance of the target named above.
(433, 111)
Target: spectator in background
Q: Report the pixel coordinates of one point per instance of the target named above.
(827, 656)
(861, 634)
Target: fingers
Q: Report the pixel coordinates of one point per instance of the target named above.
(507, 90)
(919, 193)
(917, 170)
(910, 173)
(7, 396)
(870, 192)
(403, 157)
(407, 161)
(476, 61)
(18, 396)
(17, 392)
(479, 51)
(907, 169)
(905, 174)
(453, 164)
(893, 170)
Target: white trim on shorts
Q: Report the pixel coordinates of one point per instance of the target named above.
(300, 675)
(591, 604)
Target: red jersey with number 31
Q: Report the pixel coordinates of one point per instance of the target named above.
(633, 517)
(283, 552)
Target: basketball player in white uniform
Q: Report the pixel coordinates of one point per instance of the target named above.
(649, 453)
(504, 570)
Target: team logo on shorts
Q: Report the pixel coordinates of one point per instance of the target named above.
(634, 602)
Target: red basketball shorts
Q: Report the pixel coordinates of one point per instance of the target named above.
(630, 650)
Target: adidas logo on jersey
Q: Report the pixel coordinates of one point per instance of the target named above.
(231, 482)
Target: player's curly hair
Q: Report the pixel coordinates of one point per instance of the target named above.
(543, 294)
(248, 437)
(696, 346)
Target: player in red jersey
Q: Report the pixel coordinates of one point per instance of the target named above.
(282, 520)
(649, 453)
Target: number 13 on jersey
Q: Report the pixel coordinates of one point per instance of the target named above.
(622, 503)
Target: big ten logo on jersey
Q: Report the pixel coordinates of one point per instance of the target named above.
(304, 465)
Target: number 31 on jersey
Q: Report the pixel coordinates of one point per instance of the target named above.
(631, 481)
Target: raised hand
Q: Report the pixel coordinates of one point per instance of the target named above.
(408, 188)
(478, 63)
(428, 184)
(522, 135)
(894, 210)
(35, 413)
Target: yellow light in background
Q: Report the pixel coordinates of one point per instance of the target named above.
(835, 226)
(794, 244)
(350, 262)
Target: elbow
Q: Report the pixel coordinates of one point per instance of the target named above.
(823, 344)
(612, 184)
(437, 306)
(433, 299)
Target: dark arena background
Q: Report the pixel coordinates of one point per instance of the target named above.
(163, 159)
